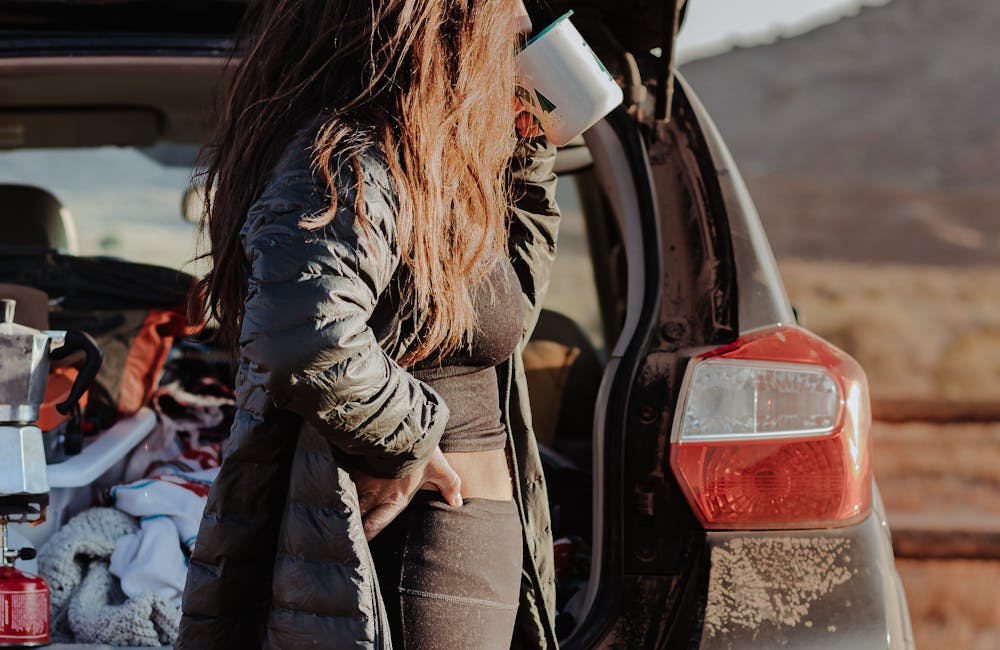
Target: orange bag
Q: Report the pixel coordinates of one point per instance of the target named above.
(136, 344)
(140, 373)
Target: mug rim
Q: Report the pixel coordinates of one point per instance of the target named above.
(547, 29)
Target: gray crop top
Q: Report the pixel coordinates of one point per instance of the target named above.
(466, 379)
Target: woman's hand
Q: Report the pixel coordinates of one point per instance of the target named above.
(382, 499)
(526, 123)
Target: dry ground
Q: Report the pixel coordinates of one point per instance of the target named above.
(925, 332)
(953, 603)
(919, 331)
(945, 476)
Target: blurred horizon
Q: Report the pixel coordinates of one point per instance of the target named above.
(713, 27)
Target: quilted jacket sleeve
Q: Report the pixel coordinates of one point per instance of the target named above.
(306, 338)
(534, 222)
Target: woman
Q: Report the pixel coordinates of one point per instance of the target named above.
(380, 243)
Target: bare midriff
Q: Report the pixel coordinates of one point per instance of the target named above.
(484, 474)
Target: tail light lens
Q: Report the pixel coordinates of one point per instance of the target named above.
(772, 431)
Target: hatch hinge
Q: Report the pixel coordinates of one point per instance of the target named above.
(665, 82)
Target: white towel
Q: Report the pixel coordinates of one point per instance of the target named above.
(151, 561)
(169, 508)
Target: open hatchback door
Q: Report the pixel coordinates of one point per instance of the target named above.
(734, 502)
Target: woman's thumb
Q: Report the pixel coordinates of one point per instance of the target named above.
(447, 481)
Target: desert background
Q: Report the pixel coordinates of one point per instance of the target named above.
(871, 146)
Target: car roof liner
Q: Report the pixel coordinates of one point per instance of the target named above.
(640, 25)
(182, 17)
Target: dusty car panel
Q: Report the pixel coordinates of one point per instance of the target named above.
(833, 588)
(762, 301)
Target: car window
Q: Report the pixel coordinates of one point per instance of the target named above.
(124, 202)
(572, 291)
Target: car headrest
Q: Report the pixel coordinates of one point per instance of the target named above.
(32, 217)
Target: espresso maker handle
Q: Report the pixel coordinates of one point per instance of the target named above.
(77, 340)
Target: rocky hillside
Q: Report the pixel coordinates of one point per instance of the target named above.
(872, 139)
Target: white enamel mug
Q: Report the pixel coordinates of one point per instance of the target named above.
(563, 84)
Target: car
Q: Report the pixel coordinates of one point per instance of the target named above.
(709, 459)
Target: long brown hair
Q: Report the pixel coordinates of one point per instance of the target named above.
(430, 82)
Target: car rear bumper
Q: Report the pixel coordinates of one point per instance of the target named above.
(834, 588)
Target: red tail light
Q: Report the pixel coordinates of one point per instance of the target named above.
(772, 431)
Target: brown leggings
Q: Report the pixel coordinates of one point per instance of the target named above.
(450, 577)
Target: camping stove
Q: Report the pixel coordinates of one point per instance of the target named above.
(24, 598)
(24, 485)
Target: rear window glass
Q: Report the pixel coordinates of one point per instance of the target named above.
(123, 202)
(572, 290)
(127, 202)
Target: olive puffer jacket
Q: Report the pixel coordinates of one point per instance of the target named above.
(281, 560)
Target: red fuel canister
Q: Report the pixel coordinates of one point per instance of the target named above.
(24, 608)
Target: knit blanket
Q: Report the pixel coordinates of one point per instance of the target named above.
(88, 604)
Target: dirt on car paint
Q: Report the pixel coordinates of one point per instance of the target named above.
(774, 580)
